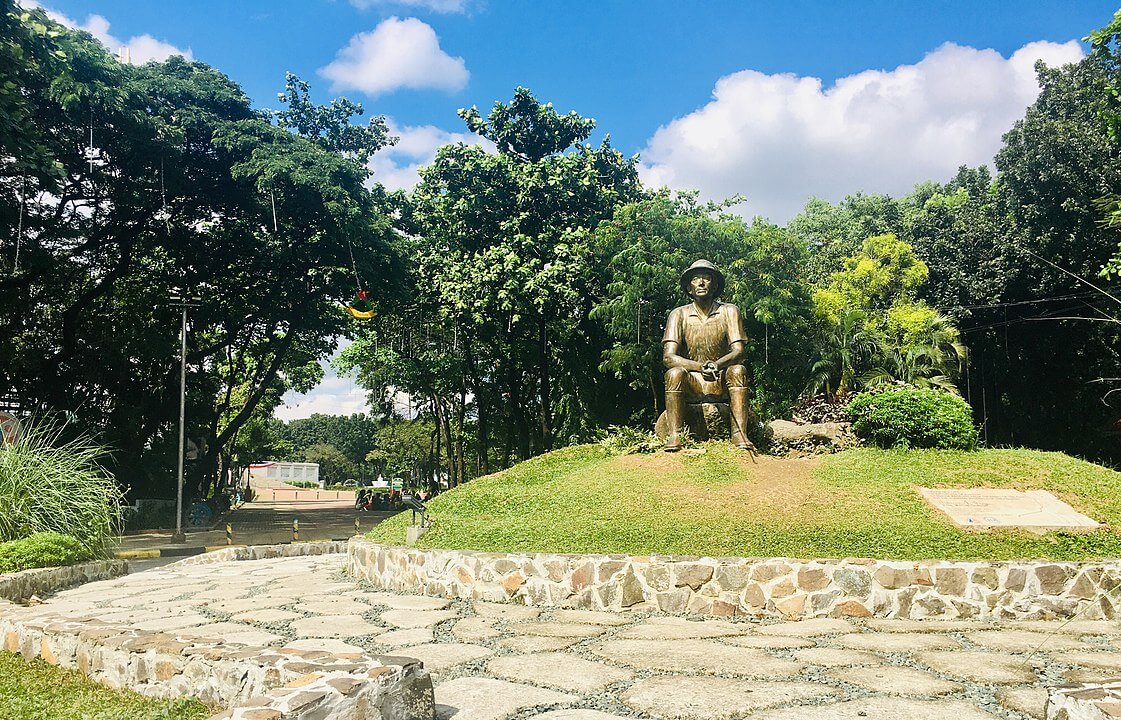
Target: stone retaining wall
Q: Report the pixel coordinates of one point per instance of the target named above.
(20, 586)
(259, 682)
(264, 552)
(777, 587)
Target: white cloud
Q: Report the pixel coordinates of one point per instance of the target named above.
(779, 139)
(334, 395)
(396, 167)
(141, 48)
(439, 6)
(396, 54)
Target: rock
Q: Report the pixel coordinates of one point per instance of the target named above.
(853, 581)
(692, 575)
(836, 434)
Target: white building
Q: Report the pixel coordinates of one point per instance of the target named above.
(270, 473)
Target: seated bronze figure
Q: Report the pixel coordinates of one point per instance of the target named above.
(702, 347)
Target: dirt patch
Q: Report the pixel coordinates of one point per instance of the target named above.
(771, 488)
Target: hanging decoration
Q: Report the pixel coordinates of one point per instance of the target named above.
(361, 308)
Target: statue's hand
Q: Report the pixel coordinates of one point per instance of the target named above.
(710, 370)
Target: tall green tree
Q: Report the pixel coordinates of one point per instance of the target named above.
(129, 183)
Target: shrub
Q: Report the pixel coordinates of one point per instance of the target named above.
(45, 549)
(914, 418)
(623, 440)
(50, 484)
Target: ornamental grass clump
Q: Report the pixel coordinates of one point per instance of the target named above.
(49, 483)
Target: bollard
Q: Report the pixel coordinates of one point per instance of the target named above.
(229, 534)
(296, 530)
(357, 530)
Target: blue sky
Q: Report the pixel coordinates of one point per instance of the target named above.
(775, 101)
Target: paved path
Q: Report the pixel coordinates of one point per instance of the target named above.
(498, 662)
(270, 522)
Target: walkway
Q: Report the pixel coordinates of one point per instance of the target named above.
(493, 662)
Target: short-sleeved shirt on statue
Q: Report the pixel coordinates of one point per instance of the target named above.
(704, 337)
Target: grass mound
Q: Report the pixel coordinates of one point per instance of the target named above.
(39, 691)
(859, 503)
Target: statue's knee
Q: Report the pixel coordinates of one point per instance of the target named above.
(736, 376)
(675, 378)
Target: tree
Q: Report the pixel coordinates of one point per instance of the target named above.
(183, 187)
(334, 466)
(501, 285)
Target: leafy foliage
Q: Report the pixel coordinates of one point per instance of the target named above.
(624, 440)
(914, 418)
(43, 549)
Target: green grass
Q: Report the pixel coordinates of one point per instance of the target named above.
(39, 691)
(859, 503)
(45, 549)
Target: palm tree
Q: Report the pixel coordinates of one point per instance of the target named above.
(846, 349)
(934, 359)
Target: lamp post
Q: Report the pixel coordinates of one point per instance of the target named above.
(183, 302)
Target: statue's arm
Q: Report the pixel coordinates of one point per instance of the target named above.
(671, 359)
(737, 338)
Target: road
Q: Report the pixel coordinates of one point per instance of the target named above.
(270, 522)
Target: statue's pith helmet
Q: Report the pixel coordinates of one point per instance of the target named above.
(703, 266)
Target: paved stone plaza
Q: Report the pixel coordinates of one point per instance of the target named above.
(494, 661)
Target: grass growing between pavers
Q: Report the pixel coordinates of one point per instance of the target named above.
(37, 690)
(859, 503)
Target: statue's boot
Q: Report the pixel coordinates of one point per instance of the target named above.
(742, 417)
(675, 415)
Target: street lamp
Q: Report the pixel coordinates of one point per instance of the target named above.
(183, 302)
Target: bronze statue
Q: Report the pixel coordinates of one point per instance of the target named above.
(701, 348)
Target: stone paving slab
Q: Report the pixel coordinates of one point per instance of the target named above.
(1020, 641)
(441, 656)
(487, 699)
(711, 698)
(897, 642)
(692, 656)
(565, 672)
(883, 709)
(1030, 701)
(895, 680)
(982, 667)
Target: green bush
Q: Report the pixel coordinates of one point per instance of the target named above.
(52, 484)
(914, 418)
(45, 549)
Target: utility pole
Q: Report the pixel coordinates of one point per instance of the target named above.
(183, 302)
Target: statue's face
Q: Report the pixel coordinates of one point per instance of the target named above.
(701, 285)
